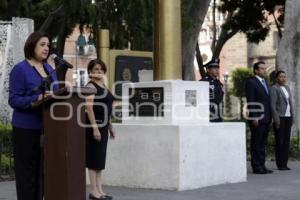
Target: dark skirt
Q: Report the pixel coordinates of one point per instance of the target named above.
(96, 150)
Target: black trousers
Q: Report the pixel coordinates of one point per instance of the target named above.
(282, 141)
(28, 163)
(216, 112)
(259, 137)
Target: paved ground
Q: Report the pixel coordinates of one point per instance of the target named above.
(281, 185)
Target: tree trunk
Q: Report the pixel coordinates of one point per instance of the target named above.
(60, 46)
(241, 108)
(288, 55)
(51, 18)
(213, 43)
(196, 11)
(223, 38)
(200, 61)
(277, 26)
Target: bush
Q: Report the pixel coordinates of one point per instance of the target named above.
(294, 148)
(7, 164)
(239, 77)
(6, 149)
(270, 149)
(5, 132)
(6, 139)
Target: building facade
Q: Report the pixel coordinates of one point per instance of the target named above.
(237, 52)
(79, 50)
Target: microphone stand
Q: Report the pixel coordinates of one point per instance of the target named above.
(45, 81)
(42, 87)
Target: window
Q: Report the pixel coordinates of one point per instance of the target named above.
(80, 77)
(203, 35)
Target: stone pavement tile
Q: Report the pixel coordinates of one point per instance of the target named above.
(7, 190)
(281, 185)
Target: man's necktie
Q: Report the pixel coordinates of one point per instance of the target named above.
(265, 86)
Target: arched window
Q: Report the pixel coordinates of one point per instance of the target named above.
(203, 35)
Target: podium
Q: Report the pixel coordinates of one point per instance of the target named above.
(64, 144)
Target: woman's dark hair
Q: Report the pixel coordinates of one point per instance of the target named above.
(93, 63)
(279, 72)
(31, 42)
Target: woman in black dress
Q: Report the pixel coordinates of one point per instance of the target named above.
(98, 109)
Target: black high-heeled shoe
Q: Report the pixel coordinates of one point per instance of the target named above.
(91, 196)
(102, 197)
(108, 197)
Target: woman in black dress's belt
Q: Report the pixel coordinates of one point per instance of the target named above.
(98, 109)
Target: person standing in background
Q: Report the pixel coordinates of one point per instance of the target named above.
(216, 91)
(98, 108)
(259, 119)
(282, 114)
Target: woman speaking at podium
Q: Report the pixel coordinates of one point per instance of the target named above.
(99, 108)
(25, 88)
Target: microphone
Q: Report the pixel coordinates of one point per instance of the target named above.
(61, 61)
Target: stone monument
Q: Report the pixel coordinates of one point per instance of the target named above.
(166, 141)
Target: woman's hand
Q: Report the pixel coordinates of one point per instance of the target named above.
(97, 134)
(111, 131)
(111, 134)
(47, 94)
(277, 125)
(255, 123)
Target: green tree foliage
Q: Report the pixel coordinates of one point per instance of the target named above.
(247, 16)
(57, 18)
(239, 77)
(128, 21)
(9, 8)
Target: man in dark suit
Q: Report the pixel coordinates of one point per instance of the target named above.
(258, 102)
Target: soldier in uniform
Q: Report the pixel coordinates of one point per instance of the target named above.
(216, 91)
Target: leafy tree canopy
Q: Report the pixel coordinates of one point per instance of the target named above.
(128, 21)
(249, 17)
(239, 77)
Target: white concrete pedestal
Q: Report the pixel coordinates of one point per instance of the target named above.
(176, 157)
(180, 150)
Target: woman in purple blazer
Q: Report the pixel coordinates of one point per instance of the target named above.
(24, 89)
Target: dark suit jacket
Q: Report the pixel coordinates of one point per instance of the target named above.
(256, 93)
